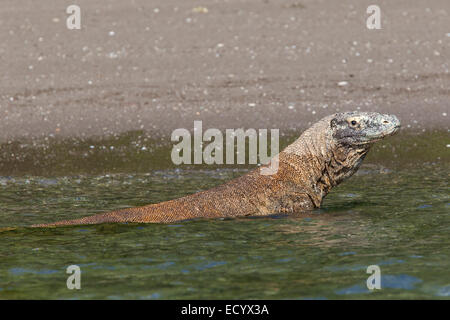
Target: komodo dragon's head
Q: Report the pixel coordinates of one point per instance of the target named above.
(362, 128)
(353, 133)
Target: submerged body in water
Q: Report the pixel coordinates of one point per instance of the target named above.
(325, 155)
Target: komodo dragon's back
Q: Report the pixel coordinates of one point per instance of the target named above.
(324, 155)
(250, 194)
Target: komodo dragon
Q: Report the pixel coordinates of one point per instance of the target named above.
(325, 155)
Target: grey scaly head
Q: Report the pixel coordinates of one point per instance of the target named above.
(353, 135)
(363, 128)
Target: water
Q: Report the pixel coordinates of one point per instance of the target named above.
(396, 217)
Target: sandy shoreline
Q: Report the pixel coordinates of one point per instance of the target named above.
(256, 64)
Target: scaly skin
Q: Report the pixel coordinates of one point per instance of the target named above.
(325, 155)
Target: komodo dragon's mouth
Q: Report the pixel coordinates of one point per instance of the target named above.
(381, 136)
(391, 132)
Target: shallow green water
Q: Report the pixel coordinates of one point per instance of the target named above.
(394, 213)
(398, 219)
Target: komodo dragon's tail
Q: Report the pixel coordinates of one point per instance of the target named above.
(162, 212)
(126, 215)
(115, 216)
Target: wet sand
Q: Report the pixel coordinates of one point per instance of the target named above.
(160, 65)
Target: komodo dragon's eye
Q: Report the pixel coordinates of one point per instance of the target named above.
(354, 123)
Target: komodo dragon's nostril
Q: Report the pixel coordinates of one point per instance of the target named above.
(385, 121)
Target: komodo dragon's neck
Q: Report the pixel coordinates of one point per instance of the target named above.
(320, 163)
